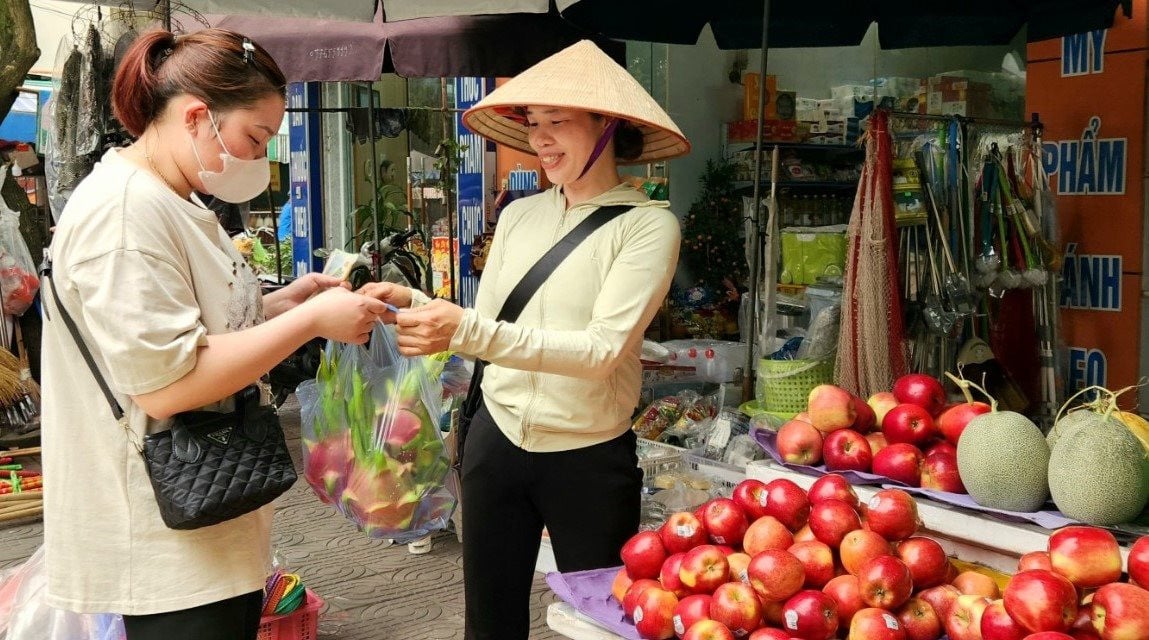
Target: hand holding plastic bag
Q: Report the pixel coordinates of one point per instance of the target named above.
(371, 437)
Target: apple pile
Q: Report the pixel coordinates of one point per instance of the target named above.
(909, 434)
(778, 562)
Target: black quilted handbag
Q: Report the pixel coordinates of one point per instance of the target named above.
(210, 466)
(213, 466)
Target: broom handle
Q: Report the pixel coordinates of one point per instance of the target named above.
(31, 451)
(22, 513)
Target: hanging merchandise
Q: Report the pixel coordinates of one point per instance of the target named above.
(871, 349)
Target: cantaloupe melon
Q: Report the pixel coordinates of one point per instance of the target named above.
(1137, 425)
(1003, 460)
(1098, 473)
(1070, 422)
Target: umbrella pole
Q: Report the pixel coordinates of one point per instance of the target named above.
(748, 372)
(377, 264)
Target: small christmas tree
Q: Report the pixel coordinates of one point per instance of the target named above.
(712, 255)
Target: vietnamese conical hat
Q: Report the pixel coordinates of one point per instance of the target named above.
(578, 77)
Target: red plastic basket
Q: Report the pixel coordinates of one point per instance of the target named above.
(301, 624)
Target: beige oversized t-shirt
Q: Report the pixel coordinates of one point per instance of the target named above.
(147, 277)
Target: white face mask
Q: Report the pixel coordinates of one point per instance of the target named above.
(239, 180)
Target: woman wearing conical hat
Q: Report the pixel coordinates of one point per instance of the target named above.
(552, 446)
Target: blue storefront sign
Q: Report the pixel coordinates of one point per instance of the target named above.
(306, 193)
(469, 187)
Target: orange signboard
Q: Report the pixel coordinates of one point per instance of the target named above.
(1090, 93)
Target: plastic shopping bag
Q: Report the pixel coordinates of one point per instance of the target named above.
(18, 280)
(372, 445)
(25, 615)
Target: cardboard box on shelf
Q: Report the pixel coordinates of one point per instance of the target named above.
(957, 96)
(750, 94)
(772, 131)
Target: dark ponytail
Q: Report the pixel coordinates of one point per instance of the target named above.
(628, 141)
(212, 65)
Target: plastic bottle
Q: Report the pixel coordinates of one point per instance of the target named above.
(710, 369)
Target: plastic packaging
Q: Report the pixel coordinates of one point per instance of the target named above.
(25, 615)
(18, 280)
(372, 443)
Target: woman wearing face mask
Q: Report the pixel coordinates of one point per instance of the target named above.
(175, 321)
(552, 445)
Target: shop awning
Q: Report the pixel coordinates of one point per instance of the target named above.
(351, 10)
(737, 24)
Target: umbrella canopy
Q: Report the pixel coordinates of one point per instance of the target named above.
(408, 9)
(737, 24)
(448, 46)
(356, 10)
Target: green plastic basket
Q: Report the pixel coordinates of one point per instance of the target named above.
(784, 385)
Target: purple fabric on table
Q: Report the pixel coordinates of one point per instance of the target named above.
(766, 439)
(1045, 519)
(589, 593)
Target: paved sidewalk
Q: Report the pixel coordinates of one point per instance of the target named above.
(373, 592)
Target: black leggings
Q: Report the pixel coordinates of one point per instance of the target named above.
(587, 498)
(232, 619)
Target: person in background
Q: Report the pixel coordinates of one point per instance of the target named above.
(552, 445)
(175, 321)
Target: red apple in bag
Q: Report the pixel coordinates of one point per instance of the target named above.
(920, 389)
(810, 615)
(787, 502)
(876, 624)
(926, 560)
(799, 442)
(776, 575)
(750, 494)
(831, 520)
(724, 521)
(847, 450)
(997, 625)
(830, 408)
(690, 609)
(832, 486)
(735, 605)
(682, 532)
(909, 423)
(1042, 601)
(654, 614)
(643, 555)
(920, 620)
(885, 582)
(1088, 556)
(1121, 612)
(901, 462)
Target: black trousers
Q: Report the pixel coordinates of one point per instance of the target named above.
(587, 498)
(232, 619)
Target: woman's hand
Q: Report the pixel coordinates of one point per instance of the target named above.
(298, 292)
(429, 328)
(393, 294)
(337, 314)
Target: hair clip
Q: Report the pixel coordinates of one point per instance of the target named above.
(248, 51)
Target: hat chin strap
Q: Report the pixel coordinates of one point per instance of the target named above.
(605, 138)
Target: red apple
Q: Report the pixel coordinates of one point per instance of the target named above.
(881, 403)
(885, 582)
(877, 441)
(920, 389)
(750, 494)
(976, 584)
(1042, 601)
(941, 598)
(811, 615)
(964, 619)
(909, 423)
(1082, 628)
(700, 512)
(833, 486)
(766, 533)
(799, 442)
(643, 555)
(847, 450)
(726, 549)
(630, 598)
(864, 417)
(901, 462)
(768, 633)
(736, 606)
(876, 624)
(831, 520)
(654, 614)
(724, 521)
(859, 547)
(620, 584)
(920, 620)
(708, 630)
(1139, 562)
(927, 561)
(1088, 556)
(817, 560)
(892, 514)
(997, 625)
(704, 568)
(772, 613)
(1035, 560)
(776, 575)
(1049, 635)
(787, 502)
(669, 576)
(739, 564)
(940, 473)
(941, 446)
(804, 534)
(682, 532)
(1121, 612)
(690, 609)
(845, 591)
(953, 420)
(830, 408)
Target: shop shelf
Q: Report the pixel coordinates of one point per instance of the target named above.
(800, 184)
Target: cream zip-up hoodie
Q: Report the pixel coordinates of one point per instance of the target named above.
(567, 374)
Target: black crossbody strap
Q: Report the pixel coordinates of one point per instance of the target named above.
(525, 289)
(46, 272)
